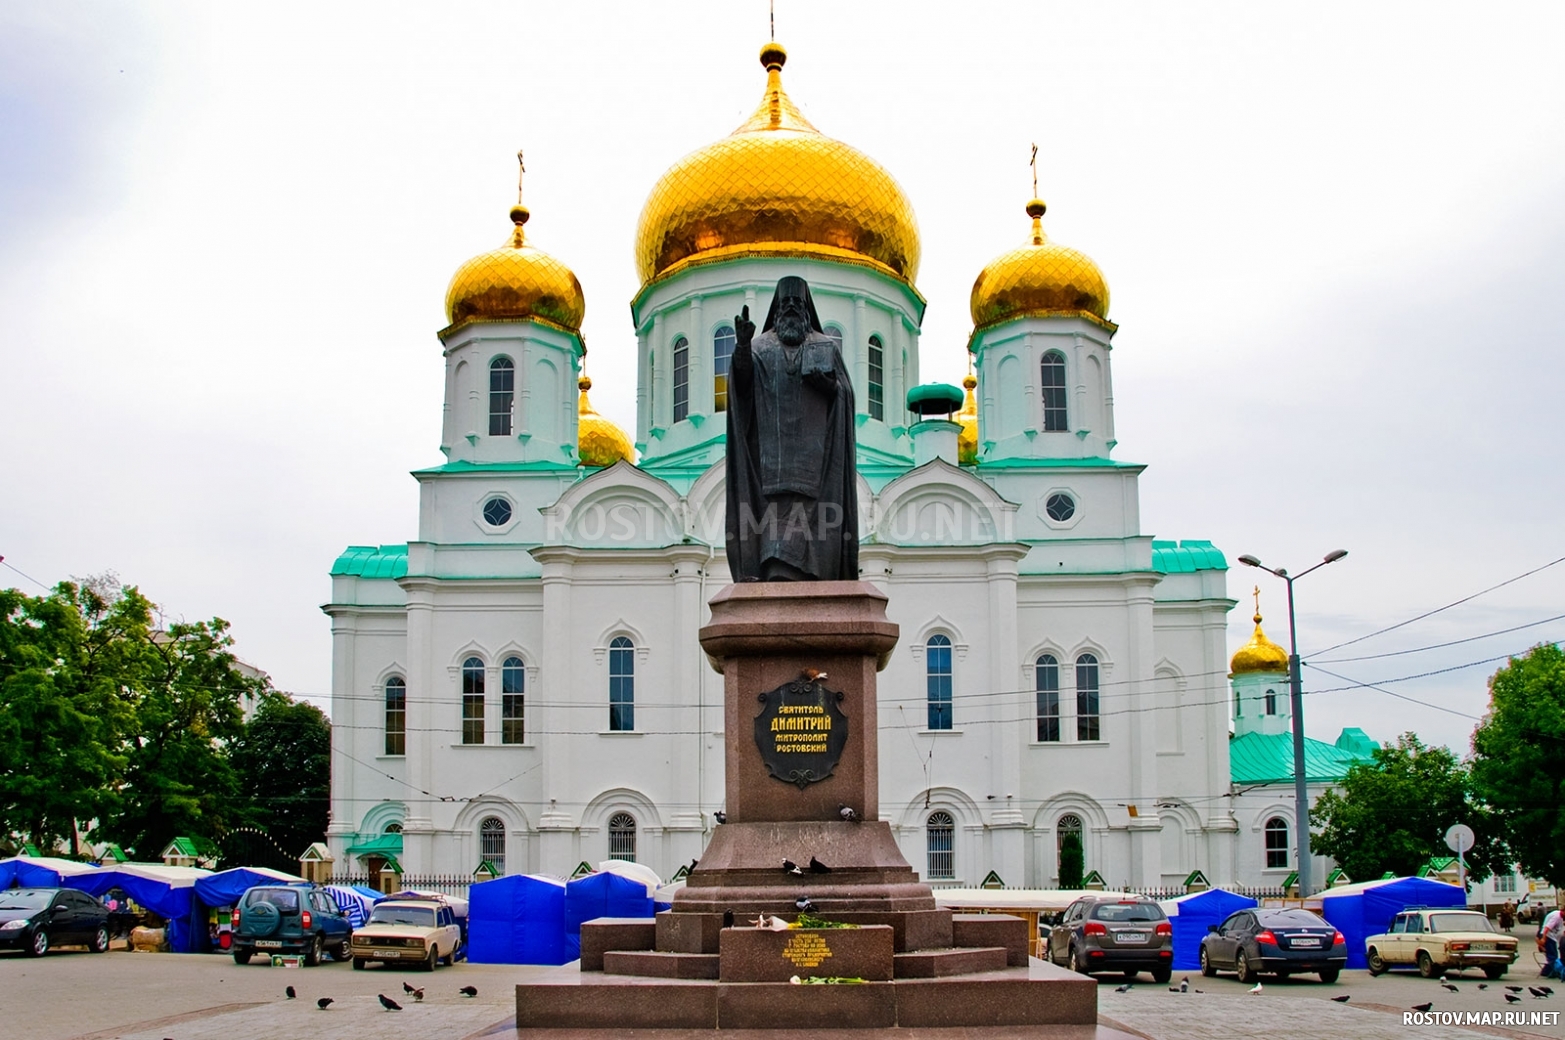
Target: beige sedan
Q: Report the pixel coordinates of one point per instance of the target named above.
(1437, 941)
(415, 931)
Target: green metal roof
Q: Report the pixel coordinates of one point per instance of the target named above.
(1267, 758)
(1187, 557)
(1088, 463)
(195, 848)
(380, 845)
(934, 399)
(1357, 742)
(539, 466)
(371, 561)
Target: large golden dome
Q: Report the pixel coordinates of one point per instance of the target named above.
(1259, 654)
(1039, 278)
(513, 282)
(598, 441)
(776, 186)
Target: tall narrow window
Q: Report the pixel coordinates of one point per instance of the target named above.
(472, 701)
(1070, 823)
(396, 716)
(940, 840)
(491, 843)
(622, 684)
(937, 668)
(1276, 843)
(877, 379)
(513, 690)
(502, 393)
(1047, 672)
(681, 379)
(1054, 392)
(622, 837)
(1271, 702)
(722, 351)
(1238, 710)
(1087, 698)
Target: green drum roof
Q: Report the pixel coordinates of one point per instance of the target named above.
(1185, 557)
(1267, 758)
(371, 561)
(934, 399)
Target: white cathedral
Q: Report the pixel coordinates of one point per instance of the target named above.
(521, 689)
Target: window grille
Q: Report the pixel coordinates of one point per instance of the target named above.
(622, 837)
(940, 839)
(877, 379)
(681, 379)
(1054, 418)
(1276, 843)
(491, 843)
(1047, 671)
(396, 716)
(502, 392)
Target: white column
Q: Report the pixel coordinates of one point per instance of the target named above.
(700, 373)
(860, 358)
(429, 722)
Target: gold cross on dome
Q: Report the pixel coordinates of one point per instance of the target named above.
(1033, 162)
(519, 174)
(1257, 594)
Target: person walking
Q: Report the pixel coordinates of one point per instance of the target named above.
(1551, 930)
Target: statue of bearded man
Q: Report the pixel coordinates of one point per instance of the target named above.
(792, 483)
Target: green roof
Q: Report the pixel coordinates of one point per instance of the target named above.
(539, 466)
(934, 399)
(381, 845)
(1357, 742)
(1437, 865)
(1267, 758)
(1087, 463)
(371, 561)
(195, 848)
(1187, 556)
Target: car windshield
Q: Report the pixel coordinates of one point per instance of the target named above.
(26, 899)
(414, 915)
(281, 898)
(1291, 919)
(1459, 922)
(1127, 912)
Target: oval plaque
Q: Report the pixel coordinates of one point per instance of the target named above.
(801, 732)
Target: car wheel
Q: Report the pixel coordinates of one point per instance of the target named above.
(1162, 975)
(1073, 962)
(450, 959)
(358, 964)
(1330, 975)
(434, 955)
(100, 940)
(241, 956)
(1427, 966)
(312, 952)
(1242, 970)
(1206, 965)
(40, 944)
(342, 951)
(1376, 964)
(1494, 971)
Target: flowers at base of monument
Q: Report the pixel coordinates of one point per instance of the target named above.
(770, 923)
(826, 980)
(811, 921)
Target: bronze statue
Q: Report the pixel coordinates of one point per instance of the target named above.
(792, 482)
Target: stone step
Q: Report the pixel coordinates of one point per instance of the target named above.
(992, 930)
(651, 964)
(614, 933)
(939, 964)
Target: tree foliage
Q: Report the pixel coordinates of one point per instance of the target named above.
(283, 762)
(1073, 860)
(1393, 814)
(1519, 759)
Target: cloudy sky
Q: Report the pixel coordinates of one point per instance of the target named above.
(1335, 236)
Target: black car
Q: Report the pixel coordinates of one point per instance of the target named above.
(289, 919)
(34, 919)
(1278, 941)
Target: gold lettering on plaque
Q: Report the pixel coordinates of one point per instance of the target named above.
(806, 951)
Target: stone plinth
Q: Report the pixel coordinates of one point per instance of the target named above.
(761, 955)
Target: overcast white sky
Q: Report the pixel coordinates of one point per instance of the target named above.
(1334, 233)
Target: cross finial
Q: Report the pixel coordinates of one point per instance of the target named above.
(771, 14)
(1257, 594)
(521, 171)
(1033, 162)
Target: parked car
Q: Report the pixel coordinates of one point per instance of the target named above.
(34, 919)
(1437, 941)
(1279, 941)
(1111, 933)
(299, 919)
(421, 931)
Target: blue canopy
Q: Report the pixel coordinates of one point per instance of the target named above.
(355, 901)
(518, 919)
(602, 895)
(1359, 911)
(39, 871)
(1191, 914)
(166, 891)
(226, 886)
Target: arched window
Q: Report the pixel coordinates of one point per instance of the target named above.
(1271, 702)
(622, 837)
(1238, 707)
(392, 828)
(940, 840)
(937, 666)
(622, 685)
(396, 716)
(502, 392)
(877, 378)
(491, 843)
(723, 342)
(1054, 392)
(681, 379)
(1276, 843)
(513, 689)
(1087, 698)
(1047, 672)
(835, 335)
(473, 701)
(1070, 823)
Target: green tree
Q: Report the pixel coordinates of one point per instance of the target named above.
(1073, 861)
(283, 761)
(1519, 759)
(1393, 814)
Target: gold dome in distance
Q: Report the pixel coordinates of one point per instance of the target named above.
(515, 282)
(1259, 654)
(598, 441)
(967, 440)
(1038, 278)
(776, 186)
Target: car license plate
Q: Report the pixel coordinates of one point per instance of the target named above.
(269, 944)
(1303, 942)
(1129, 937)
(1483, 946)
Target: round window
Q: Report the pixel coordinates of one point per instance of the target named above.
(1060, 507)
(497, 512)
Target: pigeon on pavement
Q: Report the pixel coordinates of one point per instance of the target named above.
(468, 991)
(1514, 989)
(387, 1003)
(1184, 984)
(817, 867)
(847, 813)
(324, 1003)
(406, 988)
(1423, 1007)
(1511, 998)
(1343, 999)
(790, 867)
(1257, 987)
(1537, 993)
(1447, 985)
(290, 993)
(1483, 985)
(804, 905)
(1122, 989)
(720, 816)
(418, 996)
(1548, 992)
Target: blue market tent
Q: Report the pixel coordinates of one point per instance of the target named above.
(226, 886)
(355, 901)
(517, 919)
(1366, 909)
(39, 871)
(601, 895)
(1191, 914)
(167, 891)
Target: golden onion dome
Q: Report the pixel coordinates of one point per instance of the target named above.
(967, 440)
(1040, 277)
(1259, 654)
(514, 282)
(598, 441)
(776, 186)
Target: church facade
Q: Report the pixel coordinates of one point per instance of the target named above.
(521, 684)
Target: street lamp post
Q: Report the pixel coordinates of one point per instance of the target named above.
(1296, 699)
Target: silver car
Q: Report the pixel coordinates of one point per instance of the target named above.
(1129, 934)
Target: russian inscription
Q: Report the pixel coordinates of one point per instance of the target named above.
(801, 732)
(806, 950)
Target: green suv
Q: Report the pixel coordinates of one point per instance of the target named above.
(295, 919)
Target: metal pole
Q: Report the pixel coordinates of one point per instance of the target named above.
(1461, 867)
(1300, 793)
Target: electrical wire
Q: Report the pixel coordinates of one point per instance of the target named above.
(1440, 646)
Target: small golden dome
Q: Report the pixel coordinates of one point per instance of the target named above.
(1259, 654)
(598, 441)
(1039, 278)
(967, 440)
(513, 282)
(777, 186)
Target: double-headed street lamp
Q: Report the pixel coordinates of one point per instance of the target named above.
(1296, 698)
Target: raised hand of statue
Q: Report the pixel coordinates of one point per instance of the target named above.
(744, 328)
